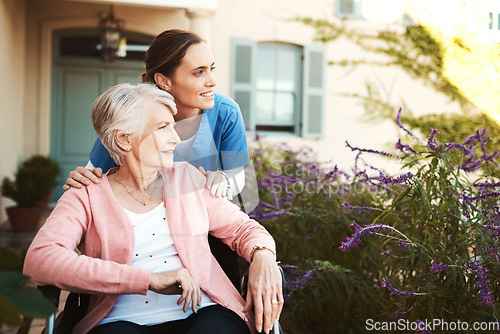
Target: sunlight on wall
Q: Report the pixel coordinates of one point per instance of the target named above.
(383, 11)
(471, 37)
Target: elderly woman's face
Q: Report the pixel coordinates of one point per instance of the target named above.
(155, 148)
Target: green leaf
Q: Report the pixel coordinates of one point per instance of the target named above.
(9, 259)
(445, 208)
(26, 298)
(400, 197)
(8, 312)
(434, 163)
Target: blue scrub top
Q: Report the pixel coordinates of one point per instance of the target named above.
(220, 142)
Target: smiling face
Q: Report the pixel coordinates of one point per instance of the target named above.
(154, 149)
(193, 82)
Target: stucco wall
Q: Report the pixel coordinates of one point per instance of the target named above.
(26, 59)
(263, 20)
(44, 16)
(12, 55)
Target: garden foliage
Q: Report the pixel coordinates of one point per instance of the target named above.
(360, 244)
(19, 301)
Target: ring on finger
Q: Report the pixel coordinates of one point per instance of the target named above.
(274, 301)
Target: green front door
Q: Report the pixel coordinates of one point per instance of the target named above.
(77, 82)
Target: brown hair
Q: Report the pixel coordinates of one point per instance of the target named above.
(166, 52)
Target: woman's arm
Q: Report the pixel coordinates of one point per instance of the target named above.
(51, 258)
(177, 282)
(254, 243)
(225, 183)
(236, 178)
(83, 176)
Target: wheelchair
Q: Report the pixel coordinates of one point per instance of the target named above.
(76, 305)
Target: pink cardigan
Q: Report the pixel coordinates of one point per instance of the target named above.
(92, 220)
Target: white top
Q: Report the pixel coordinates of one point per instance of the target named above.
(155, 251)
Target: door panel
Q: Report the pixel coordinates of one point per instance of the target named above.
(75, 89)
(80, 88)
(119, 76)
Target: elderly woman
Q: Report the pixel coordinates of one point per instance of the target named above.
(142, 234)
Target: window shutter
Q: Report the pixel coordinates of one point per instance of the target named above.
(313, 90)
(243, 55)
(348, 8)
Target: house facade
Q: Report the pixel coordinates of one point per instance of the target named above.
(271, 66)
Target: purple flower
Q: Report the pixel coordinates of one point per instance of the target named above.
(431, 141)
(400, 179)
(357, 208)
(478, 137)
(398, 122)
(307, 277)
(422, 327)
(393, 291)
(386, 254)
(355, 239)
(475, 137)
(470, 167)
(456, 146)
(403, 245)
(485, 294)
(494, 253)
(469, 199)
(492, 227)
(369, 151)
(399, 314)
(491, 158)
(438, 267)
(259, 215)
(403, 147)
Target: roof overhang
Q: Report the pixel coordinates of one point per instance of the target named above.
(179, 4)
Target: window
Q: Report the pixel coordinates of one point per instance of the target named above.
(348, 8)
(279, 87)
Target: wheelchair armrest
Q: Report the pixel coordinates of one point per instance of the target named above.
(50, 292)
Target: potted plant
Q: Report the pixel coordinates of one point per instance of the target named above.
(31, 189)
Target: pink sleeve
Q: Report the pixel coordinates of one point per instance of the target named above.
(234, 227)
(51, 258)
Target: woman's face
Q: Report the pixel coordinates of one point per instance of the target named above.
(193, 82)
(154, 149)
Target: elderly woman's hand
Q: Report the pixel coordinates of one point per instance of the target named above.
(217, 182)
(177, 282)
(82, 176)
(265, 291)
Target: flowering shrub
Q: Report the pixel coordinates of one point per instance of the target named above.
(362, 245)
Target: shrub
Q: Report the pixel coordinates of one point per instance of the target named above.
(33, 181)
(361, 245)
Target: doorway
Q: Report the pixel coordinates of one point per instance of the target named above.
(79, 76)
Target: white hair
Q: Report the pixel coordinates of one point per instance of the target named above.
(123, 108)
